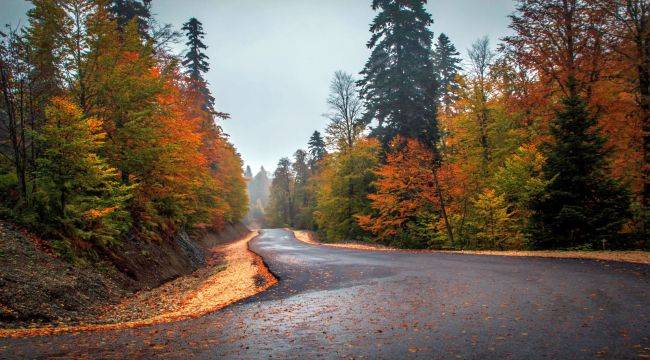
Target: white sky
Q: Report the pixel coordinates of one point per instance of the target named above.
(271, 61)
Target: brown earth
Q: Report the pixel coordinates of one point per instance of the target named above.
(38, 288)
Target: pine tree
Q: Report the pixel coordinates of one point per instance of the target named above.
(281, 201)
(123, 11)
(316, 150)
(398, 83)
(196, 62)
(248, 173)
(582, 204)
(446, 65)
(301, 192)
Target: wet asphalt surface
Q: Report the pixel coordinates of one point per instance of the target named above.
(340, 303)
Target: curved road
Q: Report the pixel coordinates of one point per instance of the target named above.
(339, 303)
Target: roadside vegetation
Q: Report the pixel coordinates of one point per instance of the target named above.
(106, 133)
(537, 142)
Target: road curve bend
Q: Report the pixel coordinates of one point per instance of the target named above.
(343, 303)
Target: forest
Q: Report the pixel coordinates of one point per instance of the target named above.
(540, 141)
(108, 133)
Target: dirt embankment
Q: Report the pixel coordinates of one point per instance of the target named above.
(641, 257)
(39, 289)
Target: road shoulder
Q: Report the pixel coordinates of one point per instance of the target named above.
(638, 257)
(204, 291)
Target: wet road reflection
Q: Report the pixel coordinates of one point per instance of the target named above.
(333, 303)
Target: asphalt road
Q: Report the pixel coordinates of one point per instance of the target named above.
(339, 303)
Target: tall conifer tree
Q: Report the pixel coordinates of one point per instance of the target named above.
(123, 11)
(316, 149)
(582, 204)
(446, 65)
(196, 61)
(398, 82)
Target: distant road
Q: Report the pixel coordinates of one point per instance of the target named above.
(339, 303)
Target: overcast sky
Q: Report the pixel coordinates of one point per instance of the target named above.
(271, 61)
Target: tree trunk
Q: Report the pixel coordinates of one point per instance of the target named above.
(441, 199)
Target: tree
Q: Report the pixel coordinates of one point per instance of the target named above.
(628, 30)
(248, 173)
(343, 186)
(258, 192)
(581, 205)
(125, 11)
(558, 40)
(481, 57)
(494, 222)
(521, 180)
(196, 62)
(405, 199)
(446, 66)
(398, 81)
(317, 150)
(82, 190)
(301, 194)
(281, 211)
(344, 114)
(13, 100)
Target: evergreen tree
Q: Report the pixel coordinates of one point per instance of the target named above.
(123, 11)
(301, 192)
(248, 173)
(446, 65)
(398, 83)
(582, 204)
(196, 61)
(316, 150)
(281, 202)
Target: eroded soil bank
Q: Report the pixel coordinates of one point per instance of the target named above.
(153, 283)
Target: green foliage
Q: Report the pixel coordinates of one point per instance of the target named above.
(398, 81)
(493, 223)
(343, 187)
(82, 191)
(581, 204)
(317, 150)
(281, 206)
(446, 66)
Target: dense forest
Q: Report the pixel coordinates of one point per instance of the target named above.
(106, 132)
(539, 141)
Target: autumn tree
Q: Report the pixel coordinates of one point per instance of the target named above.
(628, 35)
(344, 184)
(81, 189)
(405, 204)
(558, 40)
(345, 107)
(493, 222)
